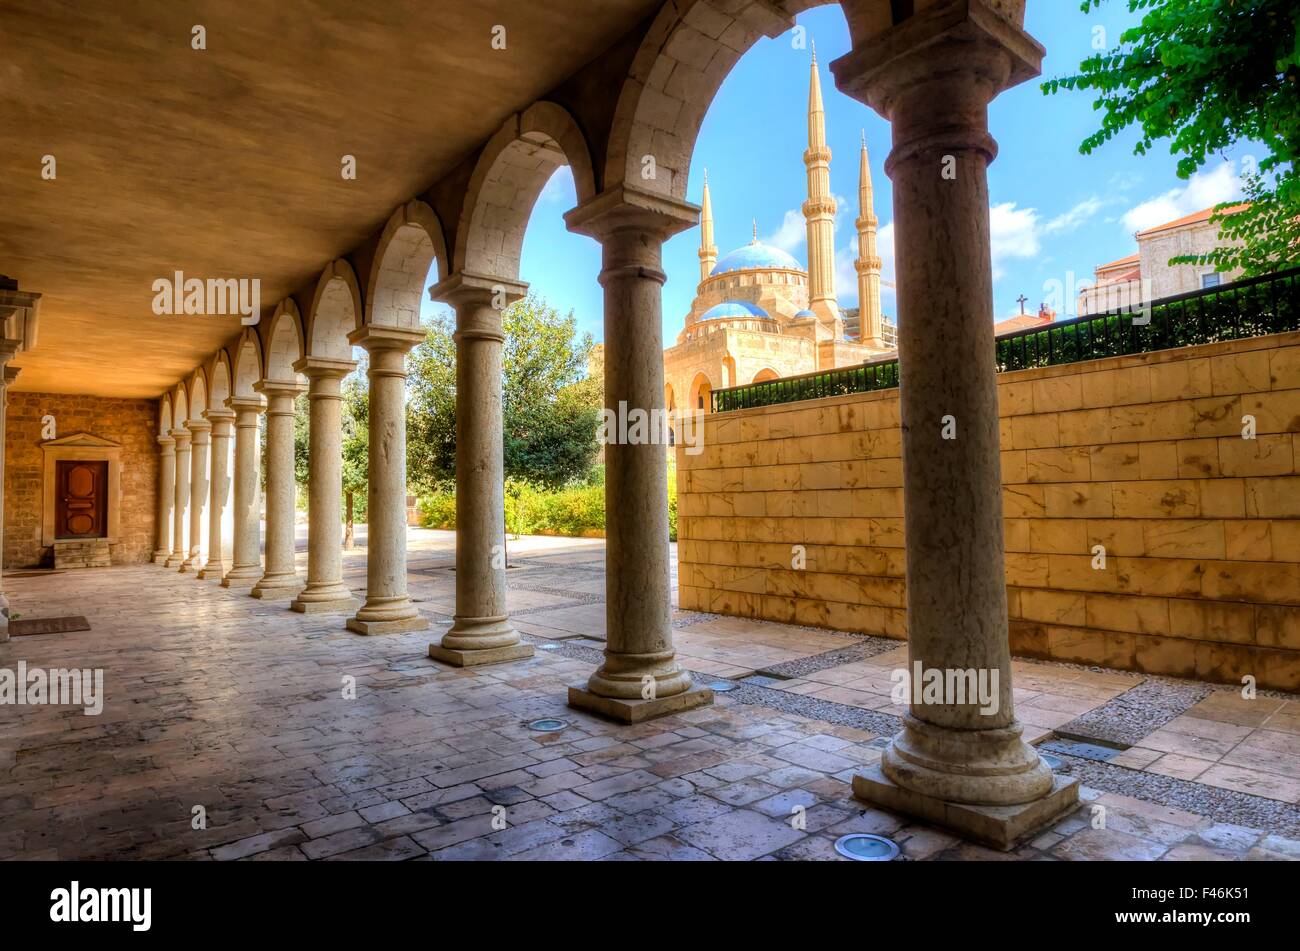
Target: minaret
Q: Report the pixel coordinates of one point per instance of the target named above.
(868, 262)
(708, 250)
(819, 209)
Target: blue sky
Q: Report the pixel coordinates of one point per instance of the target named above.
(1053, 211)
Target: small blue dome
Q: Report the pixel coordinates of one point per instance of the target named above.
(805, 313)
(755, 255)
(733, 308)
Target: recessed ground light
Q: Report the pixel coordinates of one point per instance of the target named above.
(548, 725)
(864, 847)
(1053, 762)
(722, 686)
(548, 647)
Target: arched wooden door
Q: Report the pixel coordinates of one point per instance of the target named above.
(81, 500)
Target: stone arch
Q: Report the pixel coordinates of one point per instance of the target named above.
(180, 407)
(219, 380)
(670, 399)
(512, 169)
(247, 370)
(412, 240)
(284, 344)
(164, 415)
(688, 51)
(701, 393)
(198, 393)
(335, 313)
(765, 374)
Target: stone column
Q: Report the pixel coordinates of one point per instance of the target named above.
(960, 761)
(281, 578)
(8, 374)
(166, 497)
(388, 608)
(246, 557)
(180, 511)
(481, 632)
(325, 592)
(218, 558)
(200, 445)
(640, 678)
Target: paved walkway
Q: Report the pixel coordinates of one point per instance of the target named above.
(219, 701)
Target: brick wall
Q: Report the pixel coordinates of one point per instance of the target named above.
(1143, 455)
(133, 423)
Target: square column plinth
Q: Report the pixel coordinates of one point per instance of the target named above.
(480, 656)
(999, 827)
(637, 711)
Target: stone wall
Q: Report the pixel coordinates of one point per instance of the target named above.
(1143, 455)
(132, 423)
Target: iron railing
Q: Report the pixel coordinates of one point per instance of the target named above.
(1252, 307)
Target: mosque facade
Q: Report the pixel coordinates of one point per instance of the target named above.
(759, 314)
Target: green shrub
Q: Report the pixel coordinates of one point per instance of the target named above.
(576, 510)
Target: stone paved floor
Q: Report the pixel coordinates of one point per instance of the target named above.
(220, 701)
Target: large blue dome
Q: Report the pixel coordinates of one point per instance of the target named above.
(733, 308)
(755, 255)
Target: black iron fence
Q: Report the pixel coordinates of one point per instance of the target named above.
(1252, 307)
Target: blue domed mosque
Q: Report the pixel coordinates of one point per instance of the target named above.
(759, 314)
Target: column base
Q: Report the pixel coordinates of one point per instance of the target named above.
(211, 572)
(477, 657)
(173, 561)
(999, 827)
(344, 605)
(237, 579)
(187, 566)
(404, 626)
(276, 589)
(638, 711)
(160, 557)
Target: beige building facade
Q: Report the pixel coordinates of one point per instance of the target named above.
(1147, 275)
(759, 314)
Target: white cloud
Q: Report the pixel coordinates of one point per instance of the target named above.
(558, 187)
(1203, 190)
(1075, 217)
(1013, 233)
(791, 234)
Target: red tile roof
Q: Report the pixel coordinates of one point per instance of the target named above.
(1194, 218)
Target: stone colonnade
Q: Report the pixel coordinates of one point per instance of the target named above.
(932, 76)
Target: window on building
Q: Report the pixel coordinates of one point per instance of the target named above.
(1213, 279)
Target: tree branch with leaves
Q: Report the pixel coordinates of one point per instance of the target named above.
(1206, 75)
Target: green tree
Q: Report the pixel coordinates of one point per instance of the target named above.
(356, 450)
(1207, 74)
(550, 408)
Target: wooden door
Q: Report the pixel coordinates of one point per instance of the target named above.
(81, 499)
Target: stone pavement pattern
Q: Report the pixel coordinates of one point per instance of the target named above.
(237, 705)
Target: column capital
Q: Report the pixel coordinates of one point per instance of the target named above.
(218, 415)
(270, 388)
(166, 444)
(980, 43)
(181, 437)
(374, 339)
(624, 208)
(244, 404)
(324, 368)
(11, 374)
(197, 426)
(468, 287)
